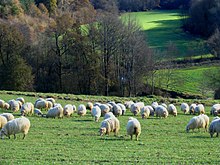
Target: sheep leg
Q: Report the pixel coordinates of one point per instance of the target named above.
(136, 137)
(14, 136)
(131, 137)
(24, 136)
(217, 134)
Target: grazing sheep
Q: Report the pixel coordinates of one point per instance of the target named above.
(192, 108)
(117, 111)
(123, 108)
(214, 127)
(68, 110)
(89, 106)
(196, 122)
(27, 109)
(96, 112)
(206, 118)
(74, 108)
(6, 106)
(38, 112)
(15, 105)
(15, 126)
(151, 110)
(145, 112)
(81, 110)
(154, 105)
(215, 109)
(49, 104)
(163, 104)
(52, 100)
(109, 115)
(109, 125)
(41, 104)
(128, 104)
(2, 103)
(184, 107)
(8, 116)
(161, 111)
(136, 108)
(133, 128)
(54, 112)
(3, 121)
(21, 99)
(172, 110)
(200, 109)
(104, 109)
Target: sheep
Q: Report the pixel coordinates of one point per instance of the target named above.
(3, 121)
(41, 104)
(89, 106)
(49, 104)
(184, 107)
(15, 105)
(96, 112)
(145, 112)
(214, 127)
(196, 122)
(123, 108)
(27, 109)
(206, 118)
(161, 111)
(136, 108)
(6, 106)
(117, 111)
(15, 126)
(38, 112)
(52, 100)
(192, 108)
(133, 128)
(21, 99)
(109, 115)
(74, 108)
(199, 109)
(54, 112)
(154, 105)
(81, 110)
(151, 110)
(104, 109)
(215, 109)
(2, 103)
(68, 110)
(163, 104)
(128, 104)
(8, 116)
(109, 125)
(172, 110)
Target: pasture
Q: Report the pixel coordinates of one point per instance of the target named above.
(162, 27)
(76, 140)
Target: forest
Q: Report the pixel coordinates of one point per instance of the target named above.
(83, 47)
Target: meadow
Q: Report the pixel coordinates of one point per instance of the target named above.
(76, 140)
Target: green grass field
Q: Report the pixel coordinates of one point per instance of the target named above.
(76, 140)
(164, 26)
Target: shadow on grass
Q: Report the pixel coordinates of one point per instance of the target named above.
(112, 138)
(200, 137)
(83, 120)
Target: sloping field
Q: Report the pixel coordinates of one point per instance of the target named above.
(76, 140)
(163, 27)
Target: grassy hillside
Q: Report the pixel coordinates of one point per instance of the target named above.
(75, 140)
(164, 26)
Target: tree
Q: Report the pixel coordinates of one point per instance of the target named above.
(214, 43)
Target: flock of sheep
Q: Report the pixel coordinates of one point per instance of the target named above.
(10, 125)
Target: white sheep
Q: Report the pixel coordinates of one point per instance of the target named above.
(27, 109)
(38, 112)
(54, 112)
(136, 108)
(68, 110)
(21, 99)
(200, 109)
(41, 104)
(161, 111)
(206, 118)
(172, 109)
(214, 127)
(109, 115)
(163, 104)
(104, 109)
(133, 127)
(81, 110)
(7, 106)
(15, 126)
(89, 106)
(2, 103)
(123, 108)
(109, 125)
(151, 110)
(15, 105)
(192, 108)
(184, 107)
(196, 122)
(117, 111)
(215, 109)
(145, 112)
(8, 116)
(154, 105)
(128, 104)
(52, 100)
(96, 112)
(3, 121)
